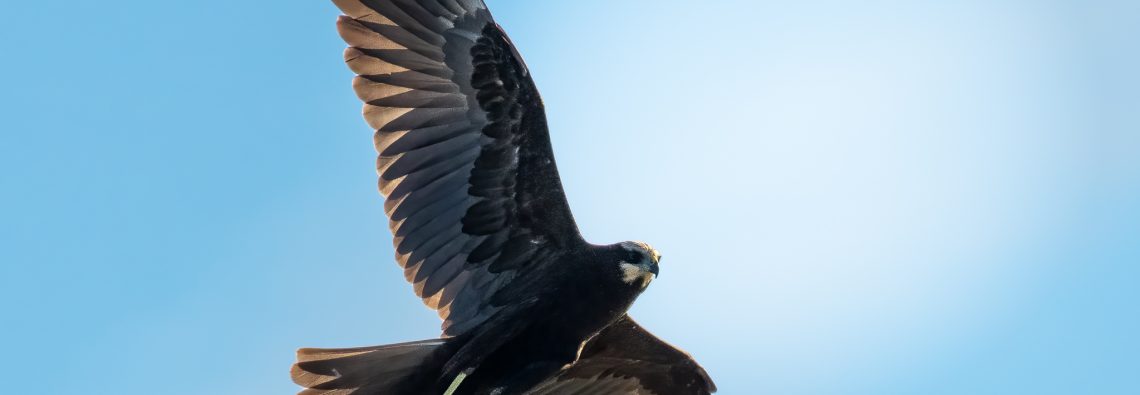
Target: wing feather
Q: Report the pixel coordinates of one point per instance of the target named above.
(626, 359)
(465, 163)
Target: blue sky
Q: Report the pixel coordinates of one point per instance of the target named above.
(883, 198)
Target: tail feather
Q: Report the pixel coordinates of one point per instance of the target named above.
(393, 369)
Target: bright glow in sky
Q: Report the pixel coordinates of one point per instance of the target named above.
(875, 198)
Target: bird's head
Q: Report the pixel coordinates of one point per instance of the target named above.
(637, 263)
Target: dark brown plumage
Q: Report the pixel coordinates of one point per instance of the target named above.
(482, 227)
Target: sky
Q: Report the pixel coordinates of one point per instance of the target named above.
(879, 197)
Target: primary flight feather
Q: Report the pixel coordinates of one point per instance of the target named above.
(482, 227)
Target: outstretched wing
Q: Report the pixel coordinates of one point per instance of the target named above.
(465, 165)
(626, 359)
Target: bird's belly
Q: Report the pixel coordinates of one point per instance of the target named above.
(554, 334)
(559, 335)
(559, 332)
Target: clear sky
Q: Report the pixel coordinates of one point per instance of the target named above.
(851, 198)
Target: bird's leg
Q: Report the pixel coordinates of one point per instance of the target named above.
(455, 383)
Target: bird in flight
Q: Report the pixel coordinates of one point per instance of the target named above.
(482, 227)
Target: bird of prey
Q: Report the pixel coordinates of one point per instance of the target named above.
(482, 227)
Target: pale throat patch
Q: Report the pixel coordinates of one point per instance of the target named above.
(631, 273)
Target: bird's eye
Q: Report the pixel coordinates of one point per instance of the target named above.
(633, 257)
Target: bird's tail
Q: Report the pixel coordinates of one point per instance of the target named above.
(395, 369)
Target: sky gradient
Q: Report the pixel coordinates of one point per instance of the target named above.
(883, 198)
